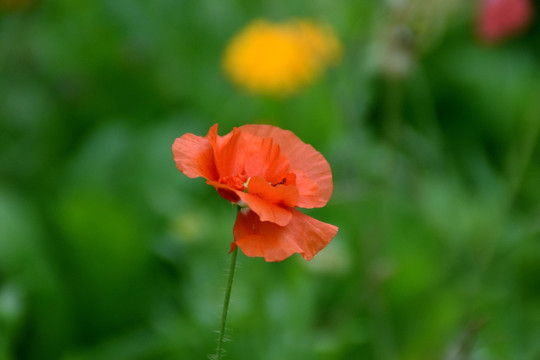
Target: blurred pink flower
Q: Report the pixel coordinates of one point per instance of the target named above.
(500, 19)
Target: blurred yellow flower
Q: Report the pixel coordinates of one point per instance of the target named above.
(279, 58)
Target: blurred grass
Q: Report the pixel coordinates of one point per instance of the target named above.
(108, 252)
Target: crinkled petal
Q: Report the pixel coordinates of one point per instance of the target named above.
(264, 209)
(264, 159)
(243, 153)
(314, 176)
(227, 192)
(283, 195)
(303, 234)
(194, 155)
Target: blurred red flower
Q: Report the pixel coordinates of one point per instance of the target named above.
(499, 19)
(268, 172)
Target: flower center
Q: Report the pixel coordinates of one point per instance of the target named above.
(237, 182)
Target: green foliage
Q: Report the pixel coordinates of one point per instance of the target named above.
(108, 252)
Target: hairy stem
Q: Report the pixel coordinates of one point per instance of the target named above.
(219, 349)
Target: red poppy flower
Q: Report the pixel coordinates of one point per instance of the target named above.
(499, 19)
(268, 172)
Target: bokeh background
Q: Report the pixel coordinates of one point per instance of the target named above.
(108, 252)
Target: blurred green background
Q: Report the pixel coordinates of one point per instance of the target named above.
(108, 252)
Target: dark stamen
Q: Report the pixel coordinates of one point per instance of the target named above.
(280, 183)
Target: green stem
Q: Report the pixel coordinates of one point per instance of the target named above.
(219, 350)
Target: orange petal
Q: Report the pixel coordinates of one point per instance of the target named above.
(303, 234)
(227, 192)
(284, 195)
(194, 155)
(229, 158)
(310, 167)
(243, 153)
(264, 209)
(264, 158)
